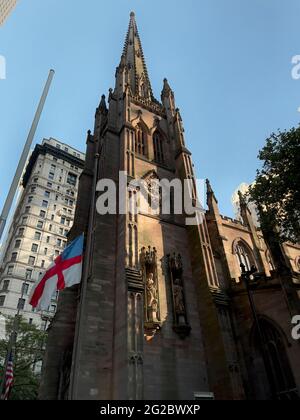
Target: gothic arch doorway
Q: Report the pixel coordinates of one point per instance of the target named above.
(280, 372)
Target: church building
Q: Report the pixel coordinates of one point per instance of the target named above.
(164, 311)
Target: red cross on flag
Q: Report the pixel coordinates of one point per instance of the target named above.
(65, 272)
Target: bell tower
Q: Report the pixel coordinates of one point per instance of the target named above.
(144, 324)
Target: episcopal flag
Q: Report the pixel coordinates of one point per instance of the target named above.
(64, 272)
(9, 377)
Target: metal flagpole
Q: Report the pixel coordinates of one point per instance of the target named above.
(22, 162)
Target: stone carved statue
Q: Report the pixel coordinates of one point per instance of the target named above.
(176, 262)
(178, 297)
(152, 298)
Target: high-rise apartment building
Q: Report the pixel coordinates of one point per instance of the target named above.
(42, 220)
(6, 6)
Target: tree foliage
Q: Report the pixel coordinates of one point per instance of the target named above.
(276, 191)
(28, 355)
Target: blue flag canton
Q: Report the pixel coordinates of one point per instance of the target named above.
(74, 249)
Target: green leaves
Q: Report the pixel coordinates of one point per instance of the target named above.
(29, 351)
(276, 191)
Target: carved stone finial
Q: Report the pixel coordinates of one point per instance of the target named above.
(209, 188)
(242, 198)
(132, 14)
(102, 106)
(166, 89)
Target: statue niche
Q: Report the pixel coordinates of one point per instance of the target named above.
(181, 325)
(148, 261)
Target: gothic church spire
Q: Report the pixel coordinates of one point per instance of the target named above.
(133, 59)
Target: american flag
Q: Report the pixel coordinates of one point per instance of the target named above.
(9, 377)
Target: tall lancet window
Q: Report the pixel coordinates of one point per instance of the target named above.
(140, 141)
(158, 147)
(244, 254)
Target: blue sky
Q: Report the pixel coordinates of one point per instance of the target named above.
(228, 61)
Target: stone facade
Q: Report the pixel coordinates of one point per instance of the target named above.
(161, 312)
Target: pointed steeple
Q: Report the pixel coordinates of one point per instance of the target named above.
(166, 89)
(212, 201)
(133, 59)
(102, 106)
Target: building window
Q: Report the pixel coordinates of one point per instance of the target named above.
(28, 274)
(140, 141)
(52, 308)
(33, 190)
(50, 228)
(24, 220)
(280, 369)
(25, 288)
(49, 184)
(47, 194)
(37, 236)
(63, 220)
(30, 199)
(56, 253)
(42, 213)
(27, 209)
(10, 270)
(21, 232)
(34, 247)
(51, 175)
(58, 242)
(14, 256)
(244, 255)
(21, 304)
(61, 231)
(40, 224)
(48, 239)
(158, 147)
(35, 180)
(2, 300)
(31, 260)
(30, 321)
(45, 203)
(45, 251)
(18, 243)
(43, 264)
(52, 217)
(72, 179)
(5, 285)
